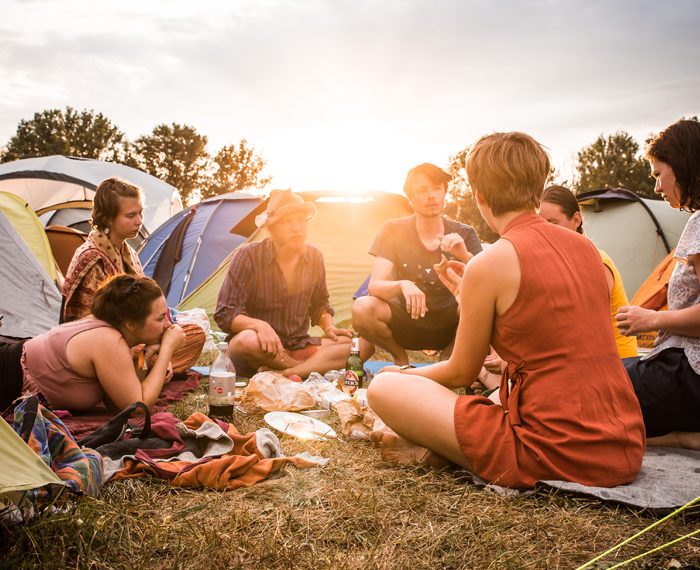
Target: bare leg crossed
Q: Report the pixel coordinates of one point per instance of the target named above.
(682, 439)
(245, 346)
(331, 356)
(370, 317)
(420, 416)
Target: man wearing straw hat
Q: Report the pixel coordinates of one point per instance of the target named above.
(273, 289)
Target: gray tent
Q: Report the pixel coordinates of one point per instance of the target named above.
(637, 233)
(50, 180)
(30, 302)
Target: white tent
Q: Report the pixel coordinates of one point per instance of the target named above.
(49, 180)
(637, 233)
(30, 302)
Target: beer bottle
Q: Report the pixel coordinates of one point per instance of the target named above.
(354, 369)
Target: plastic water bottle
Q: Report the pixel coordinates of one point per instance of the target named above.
(222, 385)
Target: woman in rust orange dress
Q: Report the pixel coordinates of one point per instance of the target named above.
(539, 296)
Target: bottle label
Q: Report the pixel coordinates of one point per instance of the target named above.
(351, 381)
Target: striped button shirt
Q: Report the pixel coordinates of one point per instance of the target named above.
(255, 286)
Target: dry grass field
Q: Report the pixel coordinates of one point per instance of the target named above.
(357, 512)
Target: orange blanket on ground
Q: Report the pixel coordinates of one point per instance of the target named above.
(243, 466)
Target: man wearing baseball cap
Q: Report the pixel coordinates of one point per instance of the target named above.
(273, 289)
(407, 306)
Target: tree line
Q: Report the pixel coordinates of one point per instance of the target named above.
(175, 153)
(178, 155)
(612, 161)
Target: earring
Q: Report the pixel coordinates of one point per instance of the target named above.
(106, 231)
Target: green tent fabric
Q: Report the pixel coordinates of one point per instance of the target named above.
(343, 230)
(22, 468)
(27, 224)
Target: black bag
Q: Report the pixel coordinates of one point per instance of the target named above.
(115, 428)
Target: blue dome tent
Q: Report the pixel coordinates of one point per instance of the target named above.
(187, 248)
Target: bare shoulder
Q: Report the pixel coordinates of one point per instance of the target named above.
(497, 258)
(102, 337)
(497, 270)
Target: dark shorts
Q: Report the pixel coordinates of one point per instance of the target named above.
(668, 390)
(11, 377)
(433, 332)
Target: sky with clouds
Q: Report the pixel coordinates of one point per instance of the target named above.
(349, 94)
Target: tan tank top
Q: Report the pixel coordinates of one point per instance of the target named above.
(46, 368)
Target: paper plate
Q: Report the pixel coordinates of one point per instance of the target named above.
(299, 426)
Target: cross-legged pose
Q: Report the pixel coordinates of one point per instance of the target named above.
(272, 290)
(539, 296)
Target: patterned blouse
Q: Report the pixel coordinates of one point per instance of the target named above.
(683, 291)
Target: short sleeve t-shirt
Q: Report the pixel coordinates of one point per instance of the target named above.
(683, 291)
(399, 242)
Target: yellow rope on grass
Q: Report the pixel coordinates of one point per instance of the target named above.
(643, 554)
(640, 533)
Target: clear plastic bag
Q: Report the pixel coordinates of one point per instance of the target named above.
(272, 392)
(199, 317)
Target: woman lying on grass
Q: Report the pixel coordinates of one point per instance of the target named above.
(539, 296)
(77, 365)
(667, 380)
(117, 214)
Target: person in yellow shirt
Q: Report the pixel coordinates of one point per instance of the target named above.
(559, 206)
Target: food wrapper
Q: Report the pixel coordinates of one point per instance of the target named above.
(326, 392)
(271, 392)
(356, 421)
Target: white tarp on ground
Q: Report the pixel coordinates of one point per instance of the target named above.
(30, 301)
(45, 181)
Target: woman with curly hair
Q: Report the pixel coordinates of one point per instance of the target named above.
(667, 379)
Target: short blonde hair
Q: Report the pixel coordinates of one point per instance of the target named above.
(509, 170)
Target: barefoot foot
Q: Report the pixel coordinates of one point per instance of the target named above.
(396, 449)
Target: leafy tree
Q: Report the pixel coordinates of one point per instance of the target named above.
(614, 162)
(462, 205)
(176, 154)
(236, 168)
(72, 133)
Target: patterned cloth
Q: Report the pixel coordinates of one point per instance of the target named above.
(92, 262)
(683, 291)
(80, 468)
(255, 286)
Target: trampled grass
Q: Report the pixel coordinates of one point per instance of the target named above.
(357, 512)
